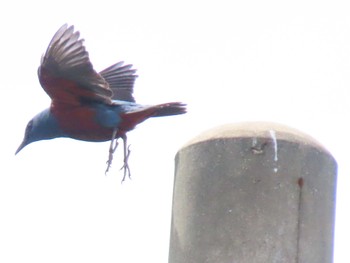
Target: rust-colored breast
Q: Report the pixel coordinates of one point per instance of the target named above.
(80, 123)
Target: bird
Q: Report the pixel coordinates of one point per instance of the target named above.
(87, 105)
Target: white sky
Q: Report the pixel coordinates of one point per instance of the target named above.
(232, 61)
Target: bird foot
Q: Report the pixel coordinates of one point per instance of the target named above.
(126, 164)
(109, 161)
(113, 146)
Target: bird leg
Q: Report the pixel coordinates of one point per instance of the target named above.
(126, 158)
(112, 147)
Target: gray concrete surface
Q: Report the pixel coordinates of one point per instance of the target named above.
(253, 192)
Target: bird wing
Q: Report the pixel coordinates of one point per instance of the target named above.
(66, 73)
(121, 80)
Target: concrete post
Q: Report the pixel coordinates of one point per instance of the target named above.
(253, 193)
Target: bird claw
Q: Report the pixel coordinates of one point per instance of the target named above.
(109, 162)
(113, 146)
(126, 164)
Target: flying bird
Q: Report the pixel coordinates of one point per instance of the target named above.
(86, 105)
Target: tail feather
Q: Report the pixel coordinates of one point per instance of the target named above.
(168, 109)
(131, 118)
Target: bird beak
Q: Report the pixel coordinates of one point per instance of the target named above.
(23, 144)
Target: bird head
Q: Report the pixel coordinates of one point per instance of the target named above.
(42, 127)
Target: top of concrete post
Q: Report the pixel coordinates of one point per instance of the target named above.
(256, 129)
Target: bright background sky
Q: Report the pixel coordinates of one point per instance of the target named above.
(231, 61)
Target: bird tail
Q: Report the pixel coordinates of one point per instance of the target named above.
(168, 109)
(131, 118)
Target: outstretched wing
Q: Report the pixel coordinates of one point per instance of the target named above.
(121, 79)
(66, 73)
